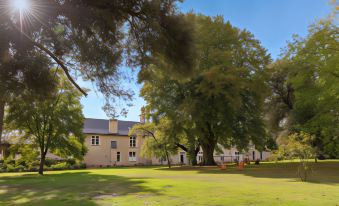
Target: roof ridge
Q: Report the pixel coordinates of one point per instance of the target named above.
(95, 118)
(109, 119)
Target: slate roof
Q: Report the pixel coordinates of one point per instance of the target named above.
(101, 126)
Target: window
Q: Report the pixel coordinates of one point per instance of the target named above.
(118, 156)
(236, 153)
(200, 158)
(95, 140)
(113, 144)
(132, 157)
(132, 142)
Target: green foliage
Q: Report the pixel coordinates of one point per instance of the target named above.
(221, 103)
(158, 141)
(27, 165)
(94, 38)
(51, 124)
(298, 146)
(49, 162)
(306, 88)
(60, 166)
(28, 154)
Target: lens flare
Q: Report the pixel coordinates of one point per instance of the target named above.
(20, 5)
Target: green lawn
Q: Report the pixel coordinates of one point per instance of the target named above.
(266, 184)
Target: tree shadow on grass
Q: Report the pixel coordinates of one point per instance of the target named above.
(322, 172)
(76, 188)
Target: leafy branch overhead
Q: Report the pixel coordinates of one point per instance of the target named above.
(93, 39)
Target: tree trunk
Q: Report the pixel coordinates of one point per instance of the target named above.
(208, 151)
(168, 159)
(194, 161)
(193, 152)
(42, 163)
(2, 116)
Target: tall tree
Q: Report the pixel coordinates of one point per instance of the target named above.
(52, 123)
(91, 40)
(311, 86)
(223, 98)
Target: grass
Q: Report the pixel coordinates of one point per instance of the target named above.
(265, 184)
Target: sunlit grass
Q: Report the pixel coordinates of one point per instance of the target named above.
(264, 184)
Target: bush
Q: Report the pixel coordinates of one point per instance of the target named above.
(20, 162)
(32, 168)
(50, 162)
(83, 166)
(19, 168)
(9, 161)
(60, 166)
(10, 168)
(71, 161)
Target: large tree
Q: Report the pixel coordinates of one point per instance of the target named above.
(163, 137)
(305, 96)
(52, 123)
(223, 98)
(91, 40)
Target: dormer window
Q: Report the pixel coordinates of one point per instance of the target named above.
(132, 142)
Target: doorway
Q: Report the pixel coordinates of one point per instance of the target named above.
(182, 157)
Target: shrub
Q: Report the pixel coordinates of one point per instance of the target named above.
(32, 168)
(60, 166)
(50, 162)
(10, 168)
(71, 161)
(9, 161)
(20, 162)
(83, 166)
(19, 168)
(299, 145)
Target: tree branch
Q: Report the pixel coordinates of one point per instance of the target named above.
(181, 146)
(55, 58)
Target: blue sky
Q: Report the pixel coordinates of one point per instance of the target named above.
(273, 22)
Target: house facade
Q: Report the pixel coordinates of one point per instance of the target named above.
(109, 144)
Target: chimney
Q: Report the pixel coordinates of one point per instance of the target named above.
(113, 126)
(142, 115)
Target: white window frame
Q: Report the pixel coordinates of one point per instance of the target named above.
(132, 156)
(95, 140)
(132, 141)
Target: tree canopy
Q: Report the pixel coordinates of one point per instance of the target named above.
(221, 103)
(306, 88)
(89, 40)
(52, 123)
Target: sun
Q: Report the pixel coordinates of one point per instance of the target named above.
(21, 5)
